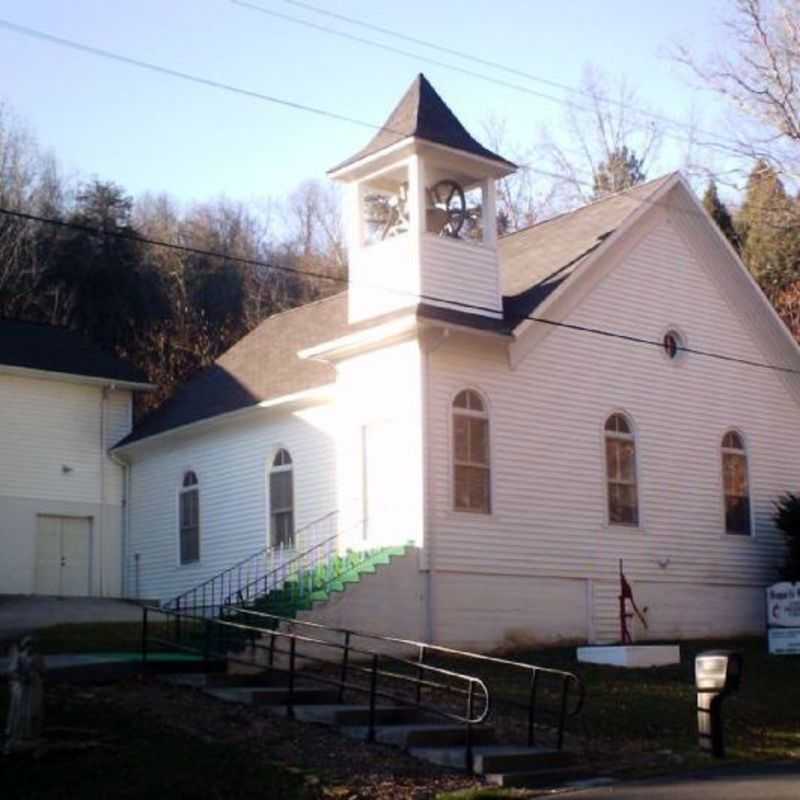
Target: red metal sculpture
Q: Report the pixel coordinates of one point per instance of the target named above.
(626, 596)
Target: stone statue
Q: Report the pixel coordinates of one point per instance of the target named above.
(24, 725)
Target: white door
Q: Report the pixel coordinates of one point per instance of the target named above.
(63, 556)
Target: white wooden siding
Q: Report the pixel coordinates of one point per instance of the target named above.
(549, 506)
(380, 413)
(231, 463)
(385, 277)
(461, 272)
(48, 424)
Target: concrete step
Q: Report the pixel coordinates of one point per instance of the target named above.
(496, 758)
(273, 695)
(352, 715)
(540, 778)
(222, 680)
(421, 735)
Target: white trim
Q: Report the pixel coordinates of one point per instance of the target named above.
(181, 490)
(721, 451)
(487, 415)
(324, 391)
(71, 377)
(387, 333)
(634, 437)
(270, 470)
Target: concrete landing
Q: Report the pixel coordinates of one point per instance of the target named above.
(631, 656)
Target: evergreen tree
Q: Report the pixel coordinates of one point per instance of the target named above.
(720, 214)
(621, 170)
(769, 230)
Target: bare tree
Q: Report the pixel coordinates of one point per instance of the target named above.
(607, 147)
(526, 196)
(759, 73)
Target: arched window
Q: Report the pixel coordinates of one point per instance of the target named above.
(471, 470)
(735, 484)
(189, 518)
(623, 500)
(281, 500)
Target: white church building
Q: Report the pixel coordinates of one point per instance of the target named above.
(463, 396)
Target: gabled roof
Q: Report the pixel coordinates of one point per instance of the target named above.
(535, 261)
(265, 365)
(261, 366)
(422, 114)
(45, 348)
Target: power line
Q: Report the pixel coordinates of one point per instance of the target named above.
(428, 298)
(492, 64)
(249, 93)
(473, 74)
(186, 76)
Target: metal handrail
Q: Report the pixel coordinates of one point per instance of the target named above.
(472, 687)
(269, 580)
(568, 679)
(209, 585)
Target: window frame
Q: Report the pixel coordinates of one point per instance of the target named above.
(745, 451)
(633, 436)
(181, 491)
(274, 469)
(483, 415)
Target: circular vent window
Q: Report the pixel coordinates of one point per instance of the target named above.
(673, 344)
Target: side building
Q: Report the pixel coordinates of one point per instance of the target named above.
(63, 404)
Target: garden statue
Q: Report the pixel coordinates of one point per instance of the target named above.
(24, 725)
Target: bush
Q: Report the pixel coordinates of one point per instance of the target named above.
(787, 519)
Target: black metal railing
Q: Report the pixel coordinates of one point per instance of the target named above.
(383, 676)
(537, 685)
(532, 681)
(259, 571)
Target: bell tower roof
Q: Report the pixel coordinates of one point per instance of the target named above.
(422, 114)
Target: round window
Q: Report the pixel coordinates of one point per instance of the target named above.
(673, 344)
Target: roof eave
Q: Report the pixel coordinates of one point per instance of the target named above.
(74, 377)
(284, 403)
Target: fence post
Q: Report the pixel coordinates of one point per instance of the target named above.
(562, 717)
(292, 651)
(373, 687)
(532, 707)
(345, 660)
(206, 638)
(420, 672)
(144, 638)
(178, 636)
(468, 733)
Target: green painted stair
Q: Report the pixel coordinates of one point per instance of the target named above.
(316, 585)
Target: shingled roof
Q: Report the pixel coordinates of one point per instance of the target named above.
(422, 114)
(45, 348)
(264, 365)
(261, 366)
(535, 261)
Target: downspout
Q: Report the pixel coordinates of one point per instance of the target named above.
(125, 466)
(101, 532)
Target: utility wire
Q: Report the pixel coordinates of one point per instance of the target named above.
(100, 233)
(472, 73)
(486, 63)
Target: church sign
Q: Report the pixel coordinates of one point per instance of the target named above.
(783, 618)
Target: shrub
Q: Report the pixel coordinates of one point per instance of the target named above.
(787, 519)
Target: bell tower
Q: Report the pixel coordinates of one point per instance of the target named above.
(420, 213)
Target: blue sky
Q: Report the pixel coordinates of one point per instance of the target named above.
(153, 132)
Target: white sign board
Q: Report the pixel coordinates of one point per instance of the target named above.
(784, 641)
(783, 605)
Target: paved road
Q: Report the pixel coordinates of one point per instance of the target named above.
(760, 782)
(21, 614)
